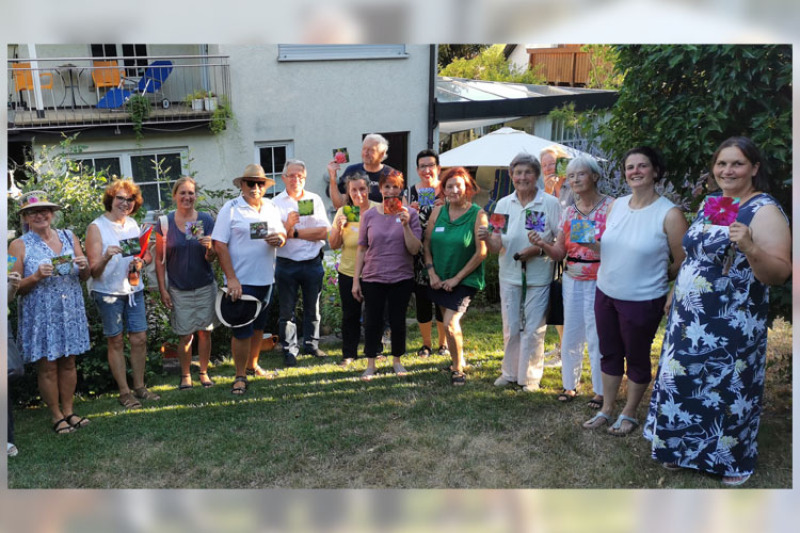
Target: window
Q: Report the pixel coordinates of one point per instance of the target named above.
(272, 156)
(153, 172)
(133, 54)
(333, 52)
(562, 134)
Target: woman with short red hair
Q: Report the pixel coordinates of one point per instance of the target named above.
(454, 258)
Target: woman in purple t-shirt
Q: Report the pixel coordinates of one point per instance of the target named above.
(388, 240)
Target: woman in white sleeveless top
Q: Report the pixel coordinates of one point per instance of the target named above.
(643, 230)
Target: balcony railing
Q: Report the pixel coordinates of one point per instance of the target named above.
(58, 94)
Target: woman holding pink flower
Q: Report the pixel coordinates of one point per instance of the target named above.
(706, 404)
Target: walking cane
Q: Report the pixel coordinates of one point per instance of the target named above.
(524, 268)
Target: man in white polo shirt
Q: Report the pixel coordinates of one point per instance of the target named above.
(299, 263)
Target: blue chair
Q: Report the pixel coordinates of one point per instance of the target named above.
(151, 82)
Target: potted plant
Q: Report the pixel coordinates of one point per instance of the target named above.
(195, 100)
(220, 116)
(138, 107)
(210, 102)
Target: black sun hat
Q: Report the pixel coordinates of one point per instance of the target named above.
(239, 313)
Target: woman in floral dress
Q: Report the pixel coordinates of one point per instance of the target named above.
(706, 404)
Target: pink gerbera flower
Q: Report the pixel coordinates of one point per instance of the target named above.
(720, 210)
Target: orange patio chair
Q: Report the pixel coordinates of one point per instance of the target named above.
(106, 75)
(23, 81)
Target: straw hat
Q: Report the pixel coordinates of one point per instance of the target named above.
(253, 172)
(32, 199)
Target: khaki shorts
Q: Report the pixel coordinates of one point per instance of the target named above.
(193, 310)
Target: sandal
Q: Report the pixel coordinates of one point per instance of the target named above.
(458, 378)
(63, 430)
(567, 396)
(735, 481)
(399, 369)
(596, 402)
(597, 420)
(81, 423)
(129, 402)
(143, 394)
(369, 374)
(424, 352)
(672, 467)
(184, 386)
(207, 383)
(617, 428)
(256, 371)
(239, 390)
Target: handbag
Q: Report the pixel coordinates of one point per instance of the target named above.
(16, 367)
(555, 309)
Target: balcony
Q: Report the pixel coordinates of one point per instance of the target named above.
(60, 94)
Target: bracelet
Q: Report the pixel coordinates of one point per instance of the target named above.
(428, 266)
(541, 251)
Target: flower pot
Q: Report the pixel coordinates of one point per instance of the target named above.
(210, 103)
(197, 104)
(268, 342)
(169, 351)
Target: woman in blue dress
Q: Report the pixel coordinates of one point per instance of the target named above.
(52, 323)
(706, 404)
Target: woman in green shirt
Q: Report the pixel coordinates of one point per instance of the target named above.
(454, 258)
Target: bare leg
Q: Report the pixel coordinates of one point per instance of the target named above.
(442, 334)
(455, 340)
(610, 391)
(67, 381)
(138, 342)
(185, 354)
(240, 349)
(204, 354)
(425, 331)
(48, 387)
(254, 349)
(116, 363)
(635, 393)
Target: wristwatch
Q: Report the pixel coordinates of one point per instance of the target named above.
(294, 233)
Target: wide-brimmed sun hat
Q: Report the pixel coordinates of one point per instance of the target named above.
(253, 172)
(239, 313)
(32, 199)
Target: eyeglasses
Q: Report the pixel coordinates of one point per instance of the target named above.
(423, 167)
(40, 211)
(252, 184)
(125, 199)
(296, 177)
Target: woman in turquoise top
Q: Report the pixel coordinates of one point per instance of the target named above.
(454, 258)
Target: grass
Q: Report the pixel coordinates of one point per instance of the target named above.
(320, 426)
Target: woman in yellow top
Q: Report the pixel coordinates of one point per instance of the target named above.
(344, 235)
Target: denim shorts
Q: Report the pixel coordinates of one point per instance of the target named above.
(261, 292)
(117, 313)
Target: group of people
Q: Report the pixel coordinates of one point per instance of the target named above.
(705, 407)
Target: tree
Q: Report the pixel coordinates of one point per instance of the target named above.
(450, 52)
(686, 99)
(490, 65)
(602, 72)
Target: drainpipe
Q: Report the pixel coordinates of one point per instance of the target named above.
(37, 87)
(432, 95)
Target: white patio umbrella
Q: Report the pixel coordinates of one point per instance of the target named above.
(496, 150)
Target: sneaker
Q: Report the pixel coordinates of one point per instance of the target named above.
(501, 382)
(530, 388)
(12, 450)
(289, 359)
(443, 351)
(316, 352)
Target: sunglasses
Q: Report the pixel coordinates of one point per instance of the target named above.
(252, 183)
(126, 199)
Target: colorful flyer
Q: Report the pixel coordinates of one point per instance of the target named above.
(194, 230)
(498, 223)
(130, 247)
(721, 211)
(427, 196)
(582, 231)
(561, 166)
(534, 220)
(11, 261)
(340, 155)
(305, 207)
(62, 265)
(259, 230)
(392, 205)
(352, 213)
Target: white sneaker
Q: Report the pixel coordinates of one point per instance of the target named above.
(501, 382)
(530, 388)
(12, 450)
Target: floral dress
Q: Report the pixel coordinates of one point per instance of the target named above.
(706, 405)
(52, 317)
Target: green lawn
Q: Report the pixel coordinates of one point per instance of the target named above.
(319, 426)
